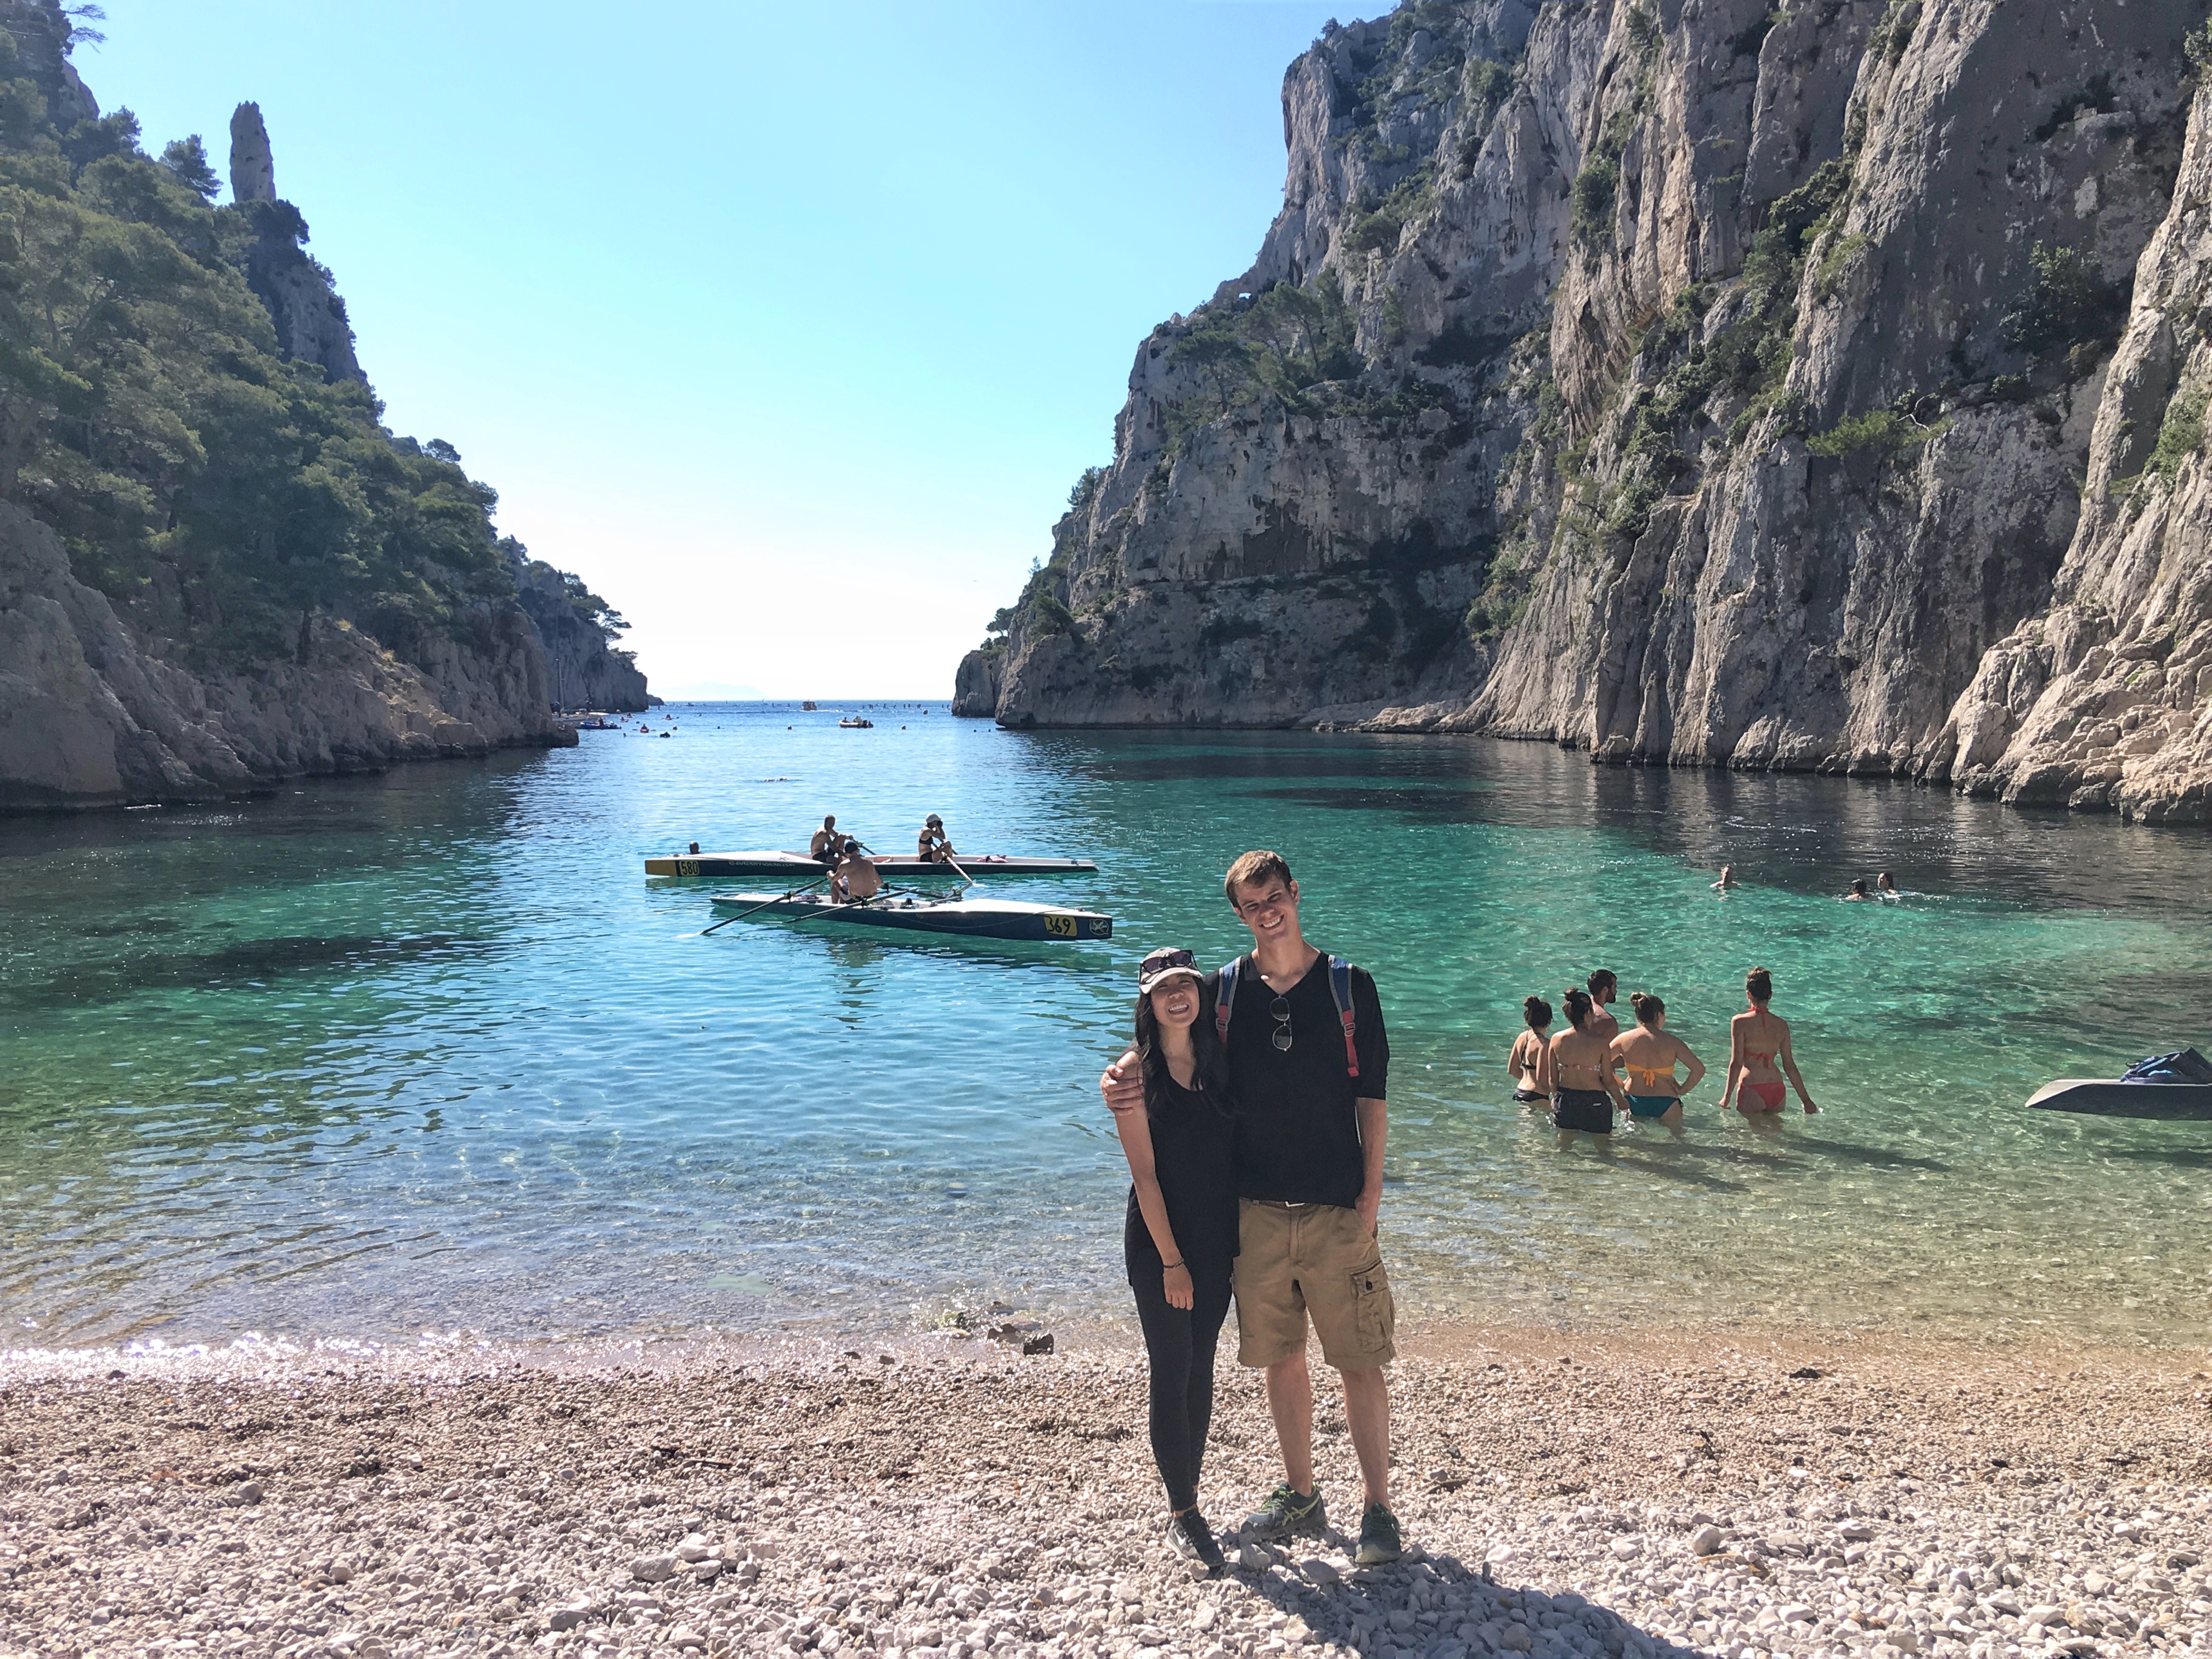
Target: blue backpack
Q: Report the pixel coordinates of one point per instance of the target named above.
(1339, 987)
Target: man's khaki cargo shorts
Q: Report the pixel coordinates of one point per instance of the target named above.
(1297, 1260)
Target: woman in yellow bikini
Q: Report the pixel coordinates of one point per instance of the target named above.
(1757, 1039)
(1649, 1053)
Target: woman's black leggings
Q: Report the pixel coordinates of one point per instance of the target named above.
(1180, 1341)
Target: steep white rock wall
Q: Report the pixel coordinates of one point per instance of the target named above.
(2106, 699)
(1736, 373)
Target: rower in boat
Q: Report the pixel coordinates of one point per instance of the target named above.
(931, 846)
(827, 844)
(856, 880)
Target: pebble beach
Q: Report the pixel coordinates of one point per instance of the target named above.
(1562, 1496)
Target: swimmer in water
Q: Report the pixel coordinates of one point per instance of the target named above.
(1858, 892)
(1758, 1040)
(1579, 1074)
(1604, 986)
(1885, 885)
(1727, 880)
(1649, 1054)
(1525, 1063)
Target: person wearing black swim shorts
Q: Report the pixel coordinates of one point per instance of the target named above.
(1578, 1074)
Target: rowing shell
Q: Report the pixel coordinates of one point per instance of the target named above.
(2162, 1103)
(797, 866)
(970, 918)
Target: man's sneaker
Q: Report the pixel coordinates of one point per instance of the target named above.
(1189, 1537)
(1285, 1512)
(1378, 1537)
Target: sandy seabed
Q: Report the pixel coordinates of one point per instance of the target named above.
(1563, 1497)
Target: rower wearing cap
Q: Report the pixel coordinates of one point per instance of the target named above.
(931, 846)
(857, 877)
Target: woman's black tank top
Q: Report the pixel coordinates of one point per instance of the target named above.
(1195, 1153)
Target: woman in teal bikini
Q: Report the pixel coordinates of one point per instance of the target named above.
(1649, 1054)
(1757, 1041)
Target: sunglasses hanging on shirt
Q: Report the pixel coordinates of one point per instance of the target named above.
(1279, 1011)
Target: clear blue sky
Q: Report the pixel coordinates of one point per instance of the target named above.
(787, 326)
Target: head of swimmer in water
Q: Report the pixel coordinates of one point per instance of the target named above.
(1650, 1013)
(1604, 984)
(1577, 1004)
(1858, 888)
(1537, 1013)
(1759, 987)
(1887, 882)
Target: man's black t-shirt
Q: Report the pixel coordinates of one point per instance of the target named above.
(1298, 1134)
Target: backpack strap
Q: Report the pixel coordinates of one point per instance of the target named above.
(1223, 998)
(1340, 985)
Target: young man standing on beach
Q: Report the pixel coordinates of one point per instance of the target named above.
(1309, 1063)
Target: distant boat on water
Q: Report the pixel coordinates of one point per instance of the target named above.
(808, 706)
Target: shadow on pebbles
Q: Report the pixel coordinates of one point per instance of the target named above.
(1561, 1498)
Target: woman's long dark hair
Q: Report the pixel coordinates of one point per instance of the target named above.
(1212, 1074)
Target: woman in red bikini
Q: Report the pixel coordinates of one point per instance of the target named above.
(1758, 1040)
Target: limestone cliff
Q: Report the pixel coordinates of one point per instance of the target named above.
(90, 716)
(302, 297)
(217, 568)
(582, 667)
(1691, 382)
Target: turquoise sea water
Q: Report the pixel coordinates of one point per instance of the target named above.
(427, 1052)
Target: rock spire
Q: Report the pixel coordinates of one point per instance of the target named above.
(252, 170)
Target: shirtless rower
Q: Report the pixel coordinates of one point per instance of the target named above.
(857, 876)
(827, 843)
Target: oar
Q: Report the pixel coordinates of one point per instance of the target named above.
(757, 909)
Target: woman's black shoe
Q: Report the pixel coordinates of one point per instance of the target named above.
(1189, 1537)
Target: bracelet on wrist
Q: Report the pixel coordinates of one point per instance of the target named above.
(1169, 1266)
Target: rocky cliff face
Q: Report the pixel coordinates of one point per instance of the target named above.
(312, 326)
(1689, 382)
(91, 715)
(581, 668)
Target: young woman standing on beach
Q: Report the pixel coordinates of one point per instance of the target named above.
(1578, 1074)
(1179, 1239)
(1649, 1053)
(1758, 1039)
(1526, 1062)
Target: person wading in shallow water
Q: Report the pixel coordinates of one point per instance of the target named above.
(1525, 1063)
(1604, 986)
(1757, 1039)
(1578, 1074)
(1309, 1063)
(1179, 1237)
(1650, 1053)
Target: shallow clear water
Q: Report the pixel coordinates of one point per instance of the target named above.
(426, 1051)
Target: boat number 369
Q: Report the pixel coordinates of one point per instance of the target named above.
(1060, 926)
